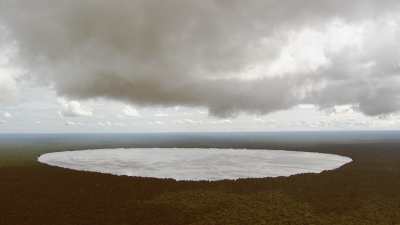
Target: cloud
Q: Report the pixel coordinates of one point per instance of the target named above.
(70, 123)
(342, 110)
(73, 109)
(189, 122)
(228, 56)
(110, 124)
(264, 120)
(105, 124)
(130, 111)
(8, 74)
(306, 107)
(8, 87)
(7, 115)
(156, 123)
(221, 121)
(161, 114)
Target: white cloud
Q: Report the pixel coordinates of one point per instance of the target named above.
(8, 86)
(342, 111)
(161, 114)
(73, 123)
(130, 111)
(73, 109)
(8, 74)
(189, 121)
(156, 123)
(221, 121)
(105, 124)
(70, 123)
(306, 106)
(111, 124)
(264, 120)
(7, 115)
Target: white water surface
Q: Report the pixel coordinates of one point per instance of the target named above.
(195, 163)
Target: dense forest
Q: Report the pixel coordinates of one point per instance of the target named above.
(365, 191)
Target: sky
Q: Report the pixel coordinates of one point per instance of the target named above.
(212, 65)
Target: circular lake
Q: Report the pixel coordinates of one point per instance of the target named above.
(195, 163)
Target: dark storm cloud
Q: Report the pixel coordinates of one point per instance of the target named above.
(172, 52)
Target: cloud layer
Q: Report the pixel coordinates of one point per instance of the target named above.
(229, 56)
(73, 109)
(8, 88)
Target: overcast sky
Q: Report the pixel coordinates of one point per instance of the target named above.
(212, 65)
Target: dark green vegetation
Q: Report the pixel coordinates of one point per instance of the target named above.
(366, 191)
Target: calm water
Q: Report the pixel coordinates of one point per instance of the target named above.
(195, 163)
